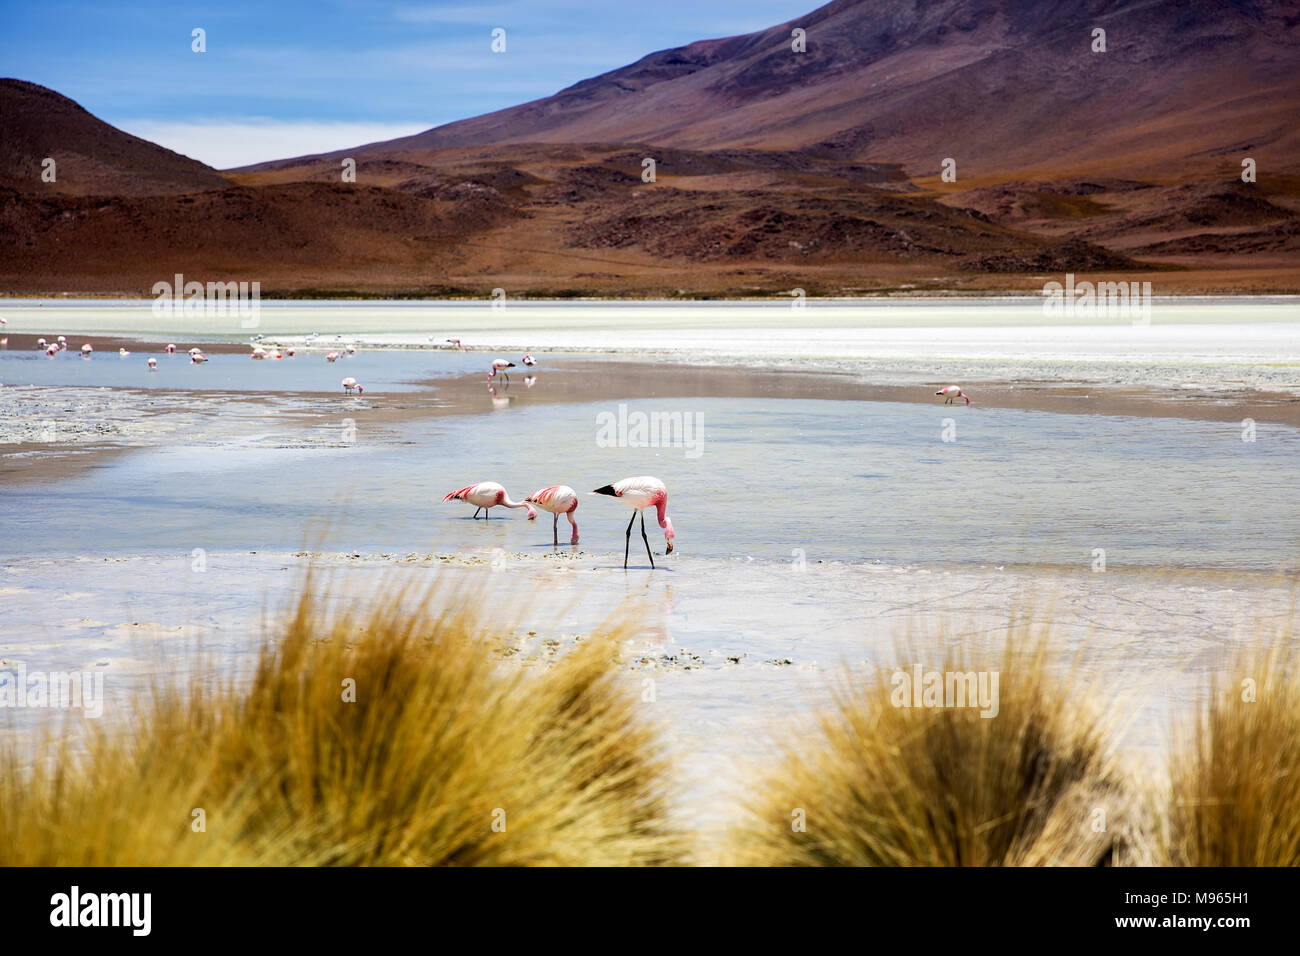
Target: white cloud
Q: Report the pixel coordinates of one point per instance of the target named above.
(226, 143)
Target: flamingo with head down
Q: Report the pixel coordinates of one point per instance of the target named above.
(952, 391)
(487, 495)
(500, 365)
(558, 500)
(640, 493)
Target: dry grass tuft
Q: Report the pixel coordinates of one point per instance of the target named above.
(886, 785)
(1235, 786)
(442, 747)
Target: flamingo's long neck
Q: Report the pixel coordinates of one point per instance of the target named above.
(665, 522)
(505, 500)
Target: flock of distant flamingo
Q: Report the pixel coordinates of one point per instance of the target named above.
(638, 493)
(262, 353)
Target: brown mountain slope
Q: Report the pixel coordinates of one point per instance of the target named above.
(91, 157)
(1182, 88)
(774, 170)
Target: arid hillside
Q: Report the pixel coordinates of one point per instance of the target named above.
(772, 170)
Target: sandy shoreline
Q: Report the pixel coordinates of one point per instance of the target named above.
(731, 669)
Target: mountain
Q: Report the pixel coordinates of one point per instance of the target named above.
(1001, 87)
(774, 170)
(91, 157)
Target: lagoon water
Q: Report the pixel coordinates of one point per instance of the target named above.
(810, 533)
(837, 480)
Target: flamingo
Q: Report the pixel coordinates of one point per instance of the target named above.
(640, 493)
(86, 350)
(351, 383)
(198, 358)
(258, 353)
(952, 391)
(500, 365)
(456, 342)
(331, 356)
(41, 344)
(487, 495)
(170, 349)
(558, 500)
(153, 364)
(51, 350)
(529, 360)
(122, 353)
(63, 342)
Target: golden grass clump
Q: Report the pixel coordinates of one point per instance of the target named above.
(879, 784)
(393, 737)
(1235, 786)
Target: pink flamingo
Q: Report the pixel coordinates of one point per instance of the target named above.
(86, 350)
(487, 495)
(170, 349)
(558, 500)
(529, 360)
(456, 342)
(153, 364)
(500, 365)
(351, 383)
(640, 493)
(198, 358)
(331, 356)
(952, 391)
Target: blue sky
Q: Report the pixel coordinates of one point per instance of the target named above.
(286, 78)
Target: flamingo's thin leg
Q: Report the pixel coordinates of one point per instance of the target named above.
(476, 511)
(555, 531)
(628, 542)
(647, 541)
